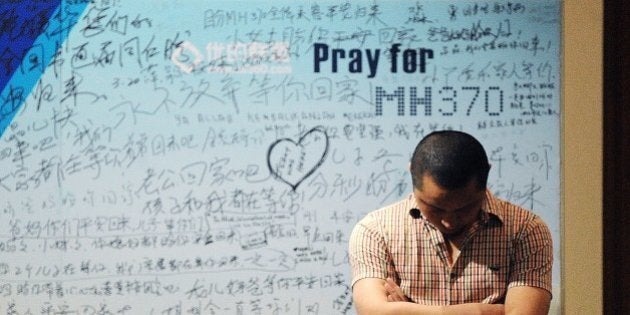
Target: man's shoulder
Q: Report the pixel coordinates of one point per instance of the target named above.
(391, 210)
(511, 214)
(391, 214)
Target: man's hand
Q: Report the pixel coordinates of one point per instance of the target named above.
(394, 293)
(374, 296)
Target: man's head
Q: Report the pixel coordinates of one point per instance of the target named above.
(451, 158)
(449, 171)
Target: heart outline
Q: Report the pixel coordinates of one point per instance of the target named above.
(298, 143)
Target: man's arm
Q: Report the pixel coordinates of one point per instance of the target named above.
(371, 296)
(530, 282)
(527, 300)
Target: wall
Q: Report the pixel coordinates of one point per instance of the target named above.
(582, 157)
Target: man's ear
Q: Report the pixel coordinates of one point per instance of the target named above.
(409, 167)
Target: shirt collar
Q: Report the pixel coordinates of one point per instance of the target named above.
(489, 208)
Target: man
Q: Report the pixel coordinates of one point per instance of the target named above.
(451, 247)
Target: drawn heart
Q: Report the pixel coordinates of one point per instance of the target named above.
(292, 162)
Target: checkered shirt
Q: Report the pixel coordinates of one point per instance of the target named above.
(507, 247)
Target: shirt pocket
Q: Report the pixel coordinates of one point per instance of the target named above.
(495, 275)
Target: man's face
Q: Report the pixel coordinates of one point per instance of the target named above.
(450, 211)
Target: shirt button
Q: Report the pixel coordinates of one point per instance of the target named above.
(453, 275)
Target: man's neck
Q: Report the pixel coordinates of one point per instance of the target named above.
(453, 245)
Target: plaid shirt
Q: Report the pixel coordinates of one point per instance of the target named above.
(507, 247)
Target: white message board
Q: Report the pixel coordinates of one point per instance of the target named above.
(212, 157)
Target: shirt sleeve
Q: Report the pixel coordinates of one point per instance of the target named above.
(368, 252)
(533, 256)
